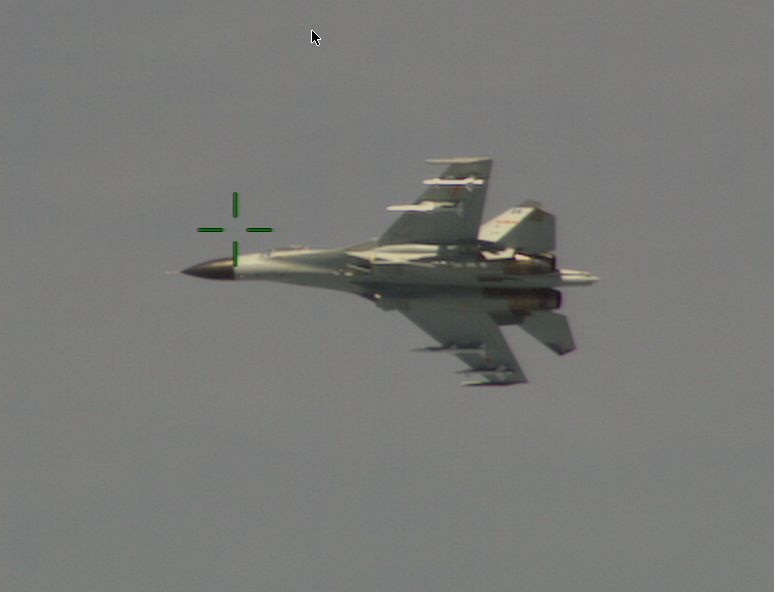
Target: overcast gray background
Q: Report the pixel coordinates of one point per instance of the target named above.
(165, 433)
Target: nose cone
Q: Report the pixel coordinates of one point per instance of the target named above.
(217, 269)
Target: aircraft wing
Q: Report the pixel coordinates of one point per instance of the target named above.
(449, 211)
(472, 336)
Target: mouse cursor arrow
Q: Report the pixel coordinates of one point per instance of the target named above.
(315, 38)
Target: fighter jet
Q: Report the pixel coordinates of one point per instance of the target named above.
(456, 279)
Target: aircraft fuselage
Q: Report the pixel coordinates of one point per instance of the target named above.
(396, 267)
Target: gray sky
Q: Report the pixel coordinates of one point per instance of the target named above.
(163, 433)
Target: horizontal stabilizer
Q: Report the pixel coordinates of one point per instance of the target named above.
(525, 228)
(550, 329)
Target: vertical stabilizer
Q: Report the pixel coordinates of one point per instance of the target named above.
(526, 228)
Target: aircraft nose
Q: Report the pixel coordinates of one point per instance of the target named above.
(216, 269)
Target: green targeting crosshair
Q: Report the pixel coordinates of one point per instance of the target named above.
(234, 214)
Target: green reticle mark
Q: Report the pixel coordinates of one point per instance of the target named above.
(234, 214)
(235, 253)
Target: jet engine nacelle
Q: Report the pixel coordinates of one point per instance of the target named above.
(526, 300)
(502, 302)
